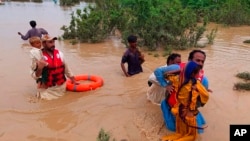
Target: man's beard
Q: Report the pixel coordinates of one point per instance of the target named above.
(51, 49)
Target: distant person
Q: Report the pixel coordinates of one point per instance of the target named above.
(53, 69)
(133, 57)
(33, 31)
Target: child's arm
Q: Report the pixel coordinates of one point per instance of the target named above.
(172, 72)
(159, 73)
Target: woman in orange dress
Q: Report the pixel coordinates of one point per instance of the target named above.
(191, 95)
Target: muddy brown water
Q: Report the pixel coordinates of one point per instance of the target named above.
(120, 106)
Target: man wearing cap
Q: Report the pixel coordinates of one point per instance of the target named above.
(33, 31)
(53, 68)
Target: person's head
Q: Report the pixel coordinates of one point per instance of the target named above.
(33, 23)
(132, 40)
(174, 58)
(192, 69)
(49, 43)
(198, 56)
(35, 42)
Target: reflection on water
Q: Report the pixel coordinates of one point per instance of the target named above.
(120, 106)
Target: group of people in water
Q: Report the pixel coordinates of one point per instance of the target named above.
(179, 88)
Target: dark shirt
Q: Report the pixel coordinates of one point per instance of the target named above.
(134, 63)
(34, 32)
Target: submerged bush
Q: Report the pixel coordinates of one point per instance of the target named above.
(211, 36)
(68, 2)
(243, 75)
(87, 25)
(246, 41)
(155, 22)
(243, 85)
(103, 136)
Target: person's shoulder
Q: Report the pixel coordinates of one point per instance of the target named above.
(126, 52)
(34, 50)
(36, 53)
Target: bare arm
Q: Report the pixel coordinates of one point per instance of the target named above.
(124, 70)
(24, 37)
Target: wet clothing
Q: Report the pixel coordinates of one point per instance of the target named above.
(55, 69)
(191, 99)
(191, 95)
(57, 90)
(167, 104)
(170, 121)
(169, 118)
(35, 55)
(157, 91)
(34, 32)
(152, 77)
(161, 71)
(186, 126)
(133, 60)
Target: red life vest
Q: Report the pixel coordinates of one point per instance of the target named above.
(55, 69)
(171, 100)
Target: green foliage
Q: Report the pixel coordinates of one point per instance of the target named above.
(229, 12)
(38, 1)
(166, 53)
(246, 41)
(69, 2)
(243, 85)
(160, 22)
(211, 36)
(234, 13)
(87, 25)
(103, 136)
(244, 75)
(156, 55)
(73, 42)
(95, 22)
(157, 23)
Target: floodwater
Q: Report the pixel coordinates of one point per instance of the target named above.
(120, 106)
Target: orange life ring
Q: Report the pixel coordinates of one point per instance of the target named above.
(97, 81)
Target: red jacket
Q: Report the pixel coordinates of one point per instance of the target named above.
(55, 69)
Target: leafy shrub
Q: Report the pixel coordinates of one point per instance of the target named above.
(243, 85)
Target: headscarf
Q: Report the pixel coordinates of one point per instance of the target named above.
(190, 68)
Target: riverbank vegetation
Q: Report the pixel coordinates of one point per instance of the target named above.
(168, 24)
(103, 136)
(243, 85)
